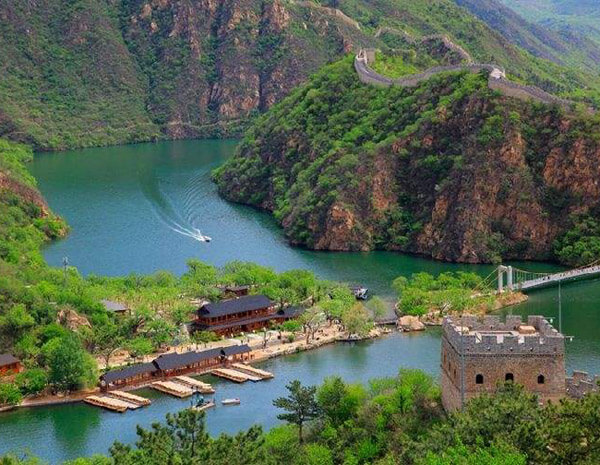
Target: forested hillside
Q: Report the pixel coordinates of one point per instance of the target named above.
(86, 72)
(559, 45)
(581, 16)
(448, 169)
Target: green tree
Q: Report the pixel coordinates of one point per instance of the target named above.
(106, 340)
(139, 347)
(300, 405)
(32, 381)
(204, 337)
(461, 455)
(10, 394)
(70, 366)
(339, 401)
(357, 321)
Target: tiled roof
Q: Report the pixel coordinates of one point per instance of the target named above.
(174, 360)
(242, 304)
(129, 372)
(234, 350)
(7, 359)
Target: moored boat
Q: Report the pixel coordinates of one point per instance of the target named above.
(235, 401)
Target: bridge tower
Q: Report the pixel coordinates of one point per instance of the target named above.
(508, 271)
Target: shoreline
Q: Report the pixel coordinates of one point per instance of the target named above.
(324, 336)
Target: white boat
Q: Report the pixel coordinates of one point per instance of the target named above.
(206, 238)
(235, 401)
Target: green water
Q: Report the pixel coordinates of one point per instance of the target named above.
(137, 208)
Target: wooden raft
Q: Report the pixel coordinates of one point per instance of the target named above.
(203, 388)
(172, 388)
(128, 397)
(234, 375)
(110, 403)
(262, 374)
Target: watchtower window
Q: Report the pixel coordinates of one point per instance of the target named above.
(541, 379)
(479, 379)
(509, 377)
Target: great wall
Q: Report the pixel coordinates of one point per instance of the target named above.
(496, 81)
(329, 11)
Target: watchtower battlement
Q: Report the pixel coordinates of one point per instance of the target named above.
(470, 335)
(480, 352)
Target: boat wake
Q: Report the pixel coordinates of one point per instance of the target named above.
(164, 210)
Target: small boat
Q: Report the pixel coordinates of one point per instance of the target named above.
(204, 406)
(206, 238)
(235, 401)
(361, 293)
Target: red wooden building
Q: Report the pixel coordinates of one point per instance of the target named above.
(9, 365)
(244, 314)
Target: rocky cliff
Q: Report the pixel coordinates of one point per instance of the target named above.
(449, 169)
(96, 72)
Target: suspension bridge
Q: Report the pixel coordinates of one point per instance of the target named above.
(515, 279)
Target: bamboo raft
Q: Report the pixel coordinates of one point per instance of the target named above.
(172, 388)
(234, 375)
(203, 388)
(262, 374)
(110, 403)
(131, 398)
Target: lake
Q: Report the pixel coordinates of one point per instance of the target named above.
(137, 208)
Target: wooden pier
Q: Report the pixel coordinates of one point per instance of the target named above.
(199, 386)
(172, 388)
(131, 398)
(110, 403)
(233, 375)
(250, 370)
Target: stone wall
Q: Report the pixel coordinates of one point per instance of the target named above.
(548, 341)
(497, 81)
(331, 12)
(535, 361)
(581, 384)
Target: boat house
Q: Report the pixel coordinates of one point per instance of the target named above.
(244, 314)
(131, 375)
(9, 365)
(174, 364)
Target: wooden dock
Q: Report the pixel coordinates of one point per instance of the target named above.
(234, 375)
(172, 388)
(110, 403)
(131, 398)
(250, 370)
(203, 388)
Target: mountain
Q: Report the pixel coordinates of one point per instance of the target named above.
(581, 17)
(95, 72)
(561, 46)
(449, 169)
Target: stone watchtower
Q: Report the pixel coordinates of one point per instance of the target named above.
(477, 354)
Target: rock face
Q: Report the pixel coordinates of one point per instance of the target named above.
(210, 64)
(456, 174)
(410, 323)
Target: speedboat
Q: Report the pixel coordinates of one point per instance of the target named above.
(235, 401)
(206, 238)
